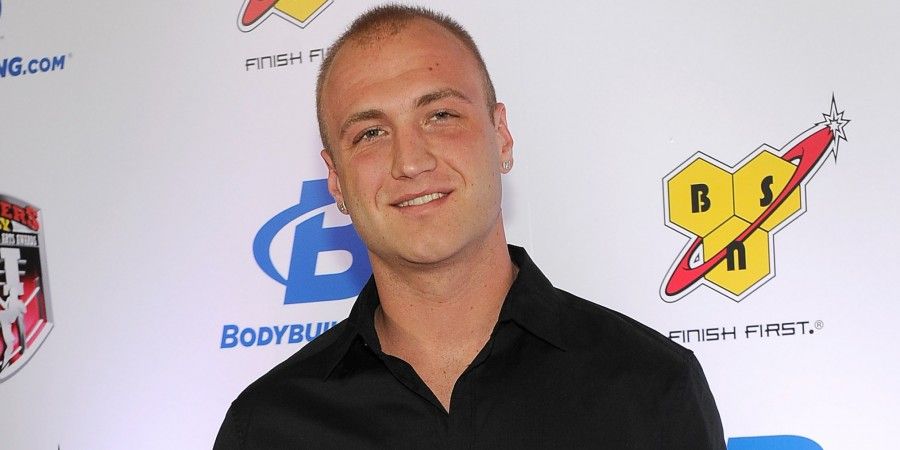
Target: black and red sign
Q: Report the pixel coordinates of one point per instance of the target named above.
(25, 316)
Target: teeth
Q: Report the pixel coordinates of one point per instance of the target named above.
(421, 200)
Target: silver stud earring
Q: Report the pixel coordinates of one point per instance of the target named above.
(507, 165)
(342, 207)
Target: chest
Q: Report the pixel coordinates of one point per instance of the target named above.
(491, 408)
(440, 376)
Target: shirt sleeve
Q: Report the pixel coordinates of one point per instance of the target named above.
(233, 430)
(695, 423)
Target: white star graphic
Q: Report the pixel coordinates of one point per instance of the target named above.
(836, 122)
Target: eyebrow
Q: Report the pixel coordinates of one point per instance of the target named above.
(426, 99)
(361, 116)
(441, 94)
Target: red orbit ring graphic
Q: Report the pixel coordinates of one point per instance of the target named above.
(255, 10)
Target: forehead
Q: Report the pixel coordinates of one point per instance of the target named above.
(409, 54)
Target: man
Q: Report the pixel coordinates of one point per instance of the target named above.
(457, 341)
(12, 310)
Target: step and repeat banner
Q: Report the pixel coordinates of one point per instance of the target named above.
(721, 171)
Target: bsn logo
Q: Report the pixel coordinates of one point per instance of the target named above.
(731, 214)
(315, 245)
(297, 12)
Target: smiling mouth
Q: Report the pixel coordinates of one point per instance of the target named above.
(427, 198)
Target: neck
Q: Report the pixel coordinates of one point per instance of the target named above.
(456, 301)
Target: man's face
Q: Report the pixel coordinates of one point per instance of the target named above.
(416, 155)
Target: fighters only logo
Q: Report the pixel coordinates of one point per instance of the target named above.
(25, 317)
(731, 214)
(297, 12)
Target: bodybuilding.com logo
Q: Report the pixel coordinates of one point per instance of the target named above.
(323, 259)
(18, 65)
(327, 261)
(772, 443)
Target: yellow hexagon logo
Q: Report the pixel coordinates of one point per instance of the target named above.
(745, 264)
(758, 183)
(700, 197)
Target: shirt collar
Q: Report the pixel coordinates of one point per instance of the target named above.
(532, 303)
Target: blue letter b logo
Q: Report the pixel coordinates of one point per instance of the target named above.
(311, 241)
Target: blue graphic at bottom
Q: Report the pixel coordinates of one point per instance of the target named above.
(785, 442)
(311, 238)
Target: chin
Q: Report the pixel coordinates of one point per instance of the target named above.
(429, 253)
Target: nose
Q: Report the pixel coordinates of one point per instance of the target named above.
(412, 155)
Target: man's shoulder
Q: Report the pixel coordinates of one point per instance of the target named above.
(258, 410)
(641, 370)
(309, 365)
(603, 332)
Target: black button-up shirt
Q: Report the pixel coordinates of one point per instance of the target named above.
(557, 372)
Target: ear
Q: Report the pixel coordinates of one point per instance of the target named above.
(504, 137)
(334, 181)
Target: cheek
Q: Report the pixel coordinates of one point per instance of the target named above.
(465, 143)
(368, 174)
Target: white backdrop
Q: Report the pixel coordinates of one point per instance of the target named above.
(159, 149)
